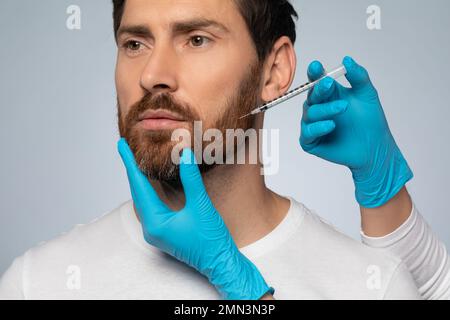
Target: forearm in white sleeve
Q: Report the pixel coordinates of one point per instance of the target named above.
(423, 254)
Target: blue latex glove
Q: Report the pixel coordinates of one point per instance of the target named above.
(347, 126)
(195, 235)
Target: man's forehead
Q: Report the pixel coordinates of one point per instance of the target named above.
(168, 11)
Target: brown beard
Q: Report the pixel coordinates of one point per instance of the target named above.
(152, 149)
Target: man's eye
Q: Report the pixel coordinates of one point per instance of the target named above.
(198, 41)
(132, 45)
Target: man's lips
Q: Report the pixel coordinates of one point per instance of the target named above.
(160, 120)
(160, 114)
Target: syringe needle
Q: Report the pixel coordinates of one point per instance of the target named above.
(335, 73)
(245, 116)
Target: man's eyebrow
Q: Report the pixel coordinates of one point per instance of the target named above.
(189, 25)
(177, 27)
(139, 30)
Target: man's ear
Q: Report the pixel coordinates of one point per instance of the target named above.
(279, 69)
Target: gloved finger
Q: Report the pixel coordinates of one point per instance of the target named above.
(315, 70)
(325, 111)
(192, 181)
(141, 189)
(322, 91)
(357, 76)
(311, 132)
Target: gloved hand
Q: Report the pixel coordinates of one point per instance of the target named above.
(347, 126)
(195, 235)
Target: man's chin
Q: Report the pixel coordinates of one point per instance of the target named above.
(158, 165)
(166, 175)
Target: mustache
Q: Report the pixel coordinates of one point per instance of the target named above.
(164, 102)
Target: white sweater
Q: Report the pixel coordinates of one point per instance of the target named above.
(302, 258)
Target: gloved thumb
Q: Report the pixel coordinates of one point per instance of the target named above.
(192, 181)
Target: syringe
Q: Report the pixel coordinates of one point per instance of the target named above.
(336, 73)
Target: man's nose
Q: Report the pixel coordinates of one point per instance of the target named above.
(159, 74)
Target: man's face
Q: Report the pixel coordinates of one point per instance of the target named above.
(169, 60)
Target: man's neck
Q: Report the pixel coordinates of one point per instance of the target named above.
(249, 209)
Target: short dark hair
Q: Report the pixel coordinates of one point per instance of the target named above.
(267, 21)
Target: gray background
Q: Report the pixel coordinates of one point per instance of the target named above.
(59, 166)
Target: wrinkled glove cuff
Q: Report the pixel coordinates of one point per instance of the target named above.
(384, 181)
(240, 279)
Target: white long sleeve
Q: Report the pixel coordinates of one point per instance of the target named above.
(422, 252)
